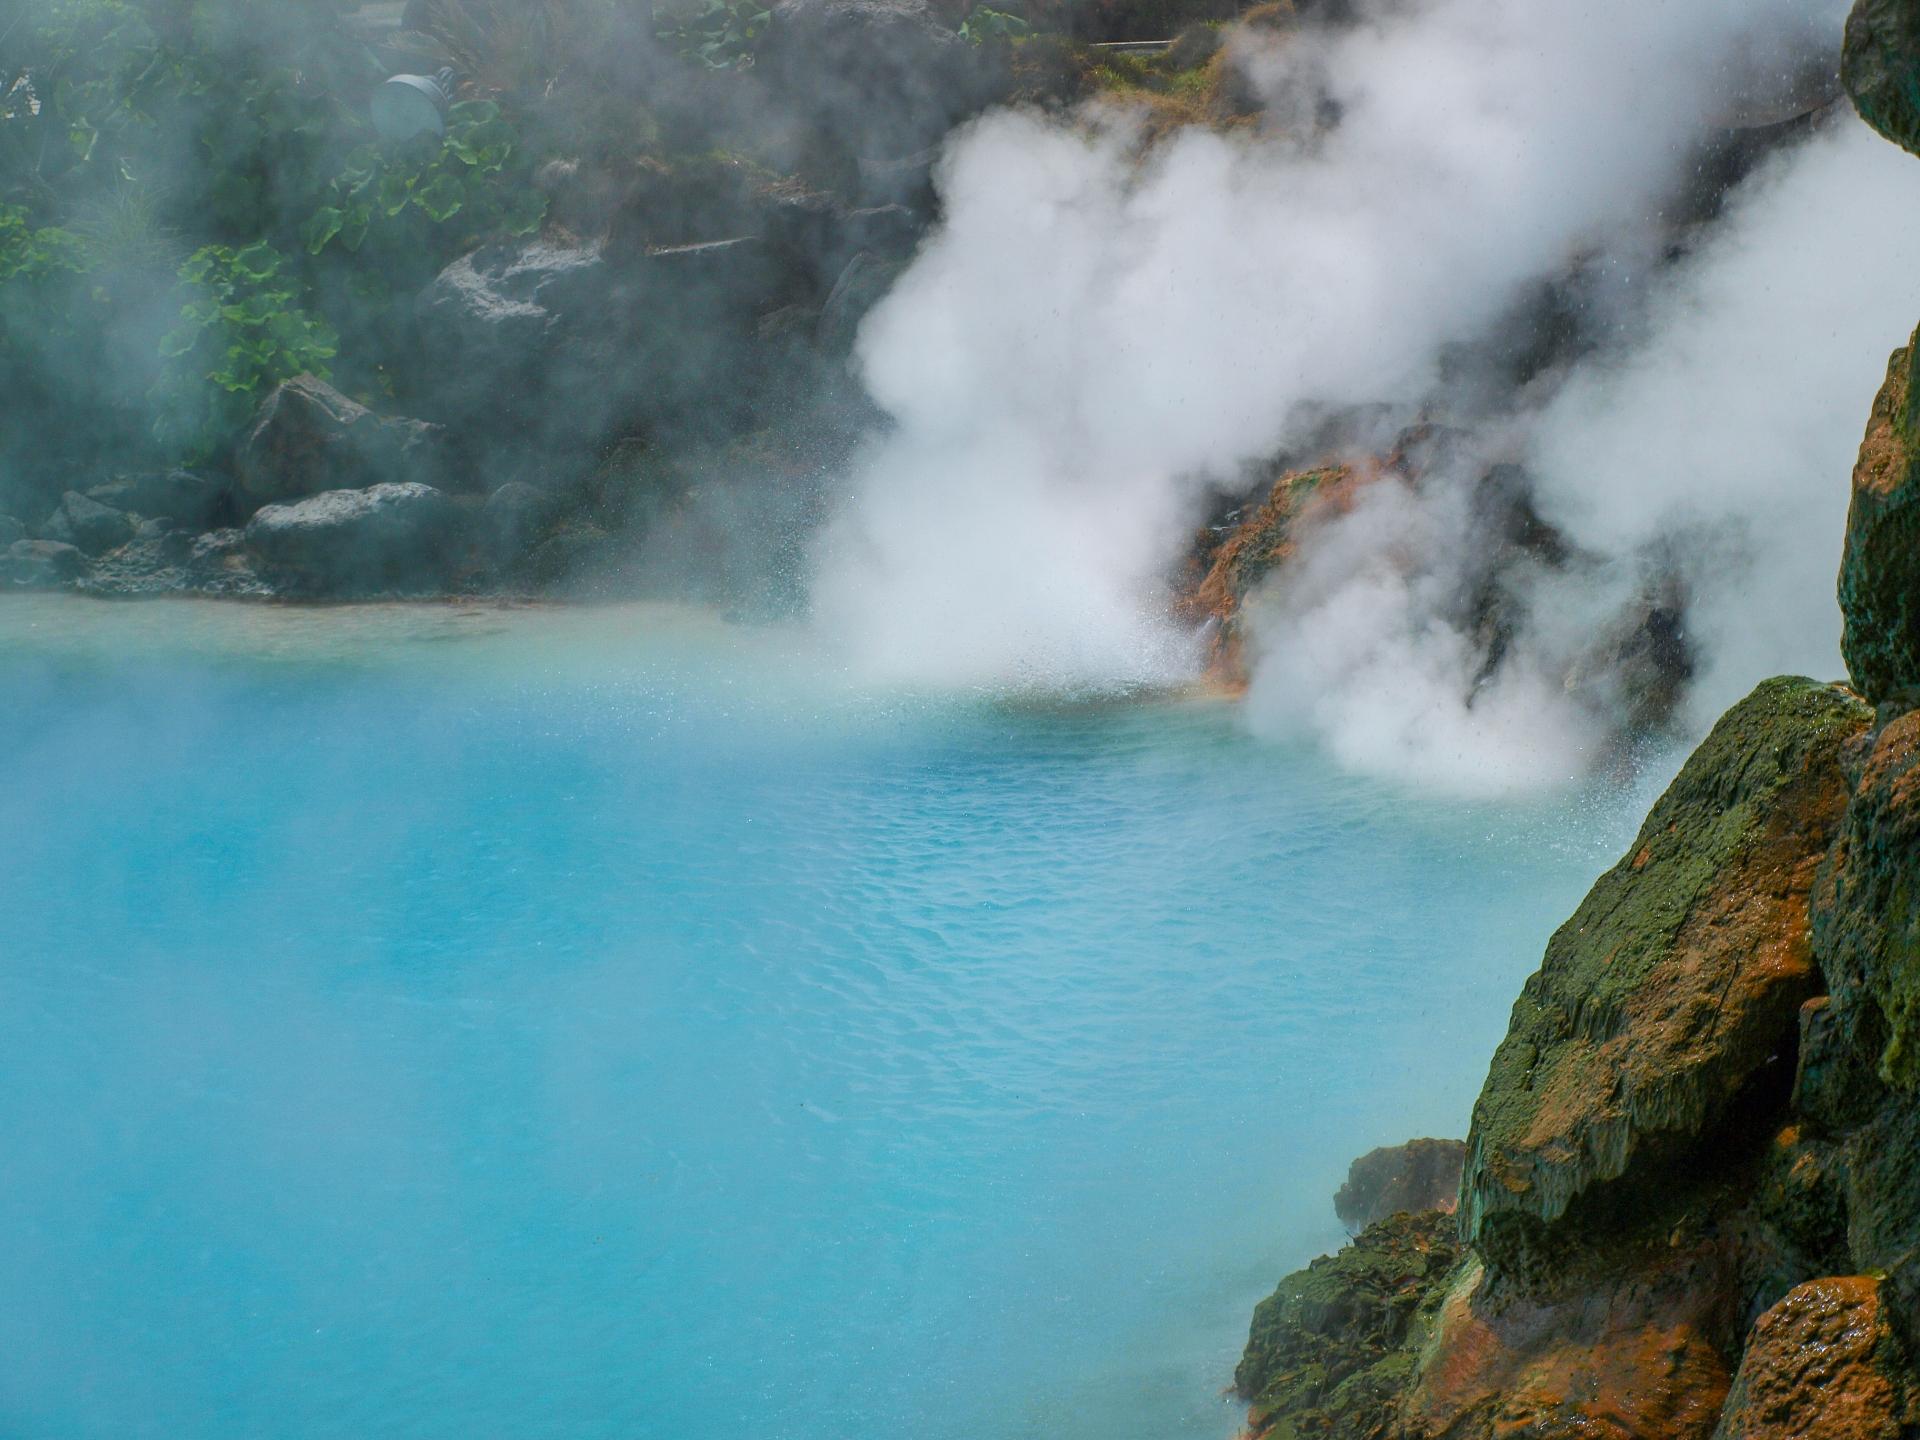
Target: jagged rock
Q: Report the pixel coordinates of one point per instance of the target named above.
(41, 564)
(189, 498)
(1880, 68)
(1835, 1084)
(387, 539)
(88, 525)
(1332, 1350)
(1401, 1179)
(1676, 982)
(308, 438)
(1638, 1354)
(1880, 568)
(1802, 1200)
(1823, 1364)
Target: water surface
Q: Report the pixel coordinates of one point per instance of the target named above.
(446, 1023)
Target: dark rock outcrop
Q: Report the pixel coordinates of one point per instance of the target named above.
(404, 539)
(1401, 1179)
(1823, 1364)
(188, 498)
(1880, 68)
(308, 438)
(40, 565)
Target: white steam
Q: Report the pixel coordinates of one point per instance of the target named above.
(1095, 340)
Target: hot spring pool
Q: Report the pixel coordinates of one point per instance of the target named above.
(455, 1024)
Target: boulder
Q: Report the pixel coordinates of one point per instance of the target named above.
(10, 531)
(1332, 1350)
(1880, 68)
(1823, 1364)
(1677, 982)
(1880, 566)
(40, 565)
(188, 498)
(88, 525)
(386, 539)
(307, 438)
(1401, 1179)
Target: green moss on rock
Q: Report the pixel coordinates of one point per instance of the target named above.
(1880, 68)
(1680, 976)
(1334, 1350)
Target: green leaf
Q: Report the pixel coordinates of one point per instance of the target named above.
(325, 224)
(442, 198)
(257, 261)
(395, 193)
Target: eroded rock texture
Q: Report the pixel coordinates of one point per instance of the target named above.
(1880, 569)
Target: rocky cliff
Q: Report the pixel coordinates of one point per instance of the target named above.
(1691, 1199)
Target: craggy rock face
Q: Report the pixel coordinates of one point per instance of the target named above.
(1679, 978)
(1401, 1179)
(1639, 1356)
(388, 539)
(1880, 68)
(1333, 1349)
(308, 438)
(1823, 1362)
(1880, 569)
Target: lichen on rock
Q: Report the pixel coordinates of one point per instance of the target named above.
(1880, 568)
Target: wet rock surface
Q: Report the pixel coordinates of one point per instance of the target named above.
(309, 438)
(1401, 1179)
(1880, 568)
(402, 539)
(1823, 1364)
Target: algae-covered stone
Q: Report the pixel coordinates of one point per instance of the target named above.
(1880, 568)
(1334, 1349)
(1823, 1364)
(1680, 976)
(1880, 67)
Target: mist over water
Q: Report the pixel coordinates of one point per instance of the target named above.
(1101, 338)
(437, 1023)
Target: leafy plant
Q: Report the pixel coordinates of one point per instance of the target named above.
(242, 330)
(720, 34)
(985, 23)
(458, 184)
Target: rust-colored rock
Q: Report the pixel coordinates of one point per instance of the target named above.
(1633, 1358)
(1823, 1364)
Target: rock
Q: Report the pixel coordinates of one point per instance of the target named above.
(10, 531)
(1332, 1350)
(1636, 1355)
(1401, 1179)
(513, 520)
(1835, 1086)
(41, 565)
(582, 562)
(1823, 1364)
(861, 286)
(88, 525)
(1880, 68)
(189, 498)
(878, 79)
(387, 539)
(1679, 979)
(307, 438)
(1880, 567)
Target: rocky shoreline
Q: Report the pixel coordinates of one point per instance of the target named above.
(1690, 1204)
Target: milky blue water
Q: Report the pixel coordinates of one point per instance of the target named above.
(473, 1024)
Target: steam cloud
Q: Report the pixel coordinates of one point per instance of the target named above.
(1100, 339)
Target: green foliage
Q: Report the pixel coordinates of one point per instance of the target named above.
(720, 34)
(459, 185)
(242, 330)
(986, 23)
(42, 286)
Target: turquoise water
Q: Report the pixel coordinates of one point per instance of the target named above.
(450, 1023)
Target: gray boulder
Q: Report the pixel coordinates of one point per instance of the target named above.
(188, 498)
(88, 525)
(40, 565)
(307, 438)
(386, 539)
(10, 531)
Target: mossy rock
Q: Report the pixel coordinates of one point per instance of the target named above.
(1335, 1348)
(1676, 983)
(1880, 568)
(1880, 67)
